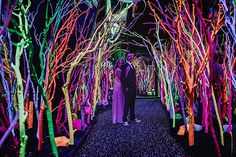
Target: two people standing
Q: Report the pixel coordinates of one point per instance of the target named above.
(126, 86)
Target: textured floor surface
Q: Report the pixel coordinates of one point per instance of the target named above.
(149, 138)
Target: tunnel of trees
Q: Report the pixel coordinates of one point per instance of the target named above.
(57, 67)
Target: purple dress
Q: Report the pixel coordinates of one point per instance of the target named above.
(117, 99)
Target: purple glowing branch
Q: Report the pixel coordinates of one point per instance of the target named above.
(75, 79)
(211, 54)
(107, 77)
(230, 49)
(230, 21)
(10, 108)
(9, 130)
(28, 76)
(90, 84)
(213, 130)
(36, 100)
(230, 56)
(229, 109)
(30, 83)
(9, 10)
(65, 10)
(4, 122)
(59, 115)
(231, 79)
(0, 9)
(12, 81)
(181, 93)
(204, 99)
(137, 15)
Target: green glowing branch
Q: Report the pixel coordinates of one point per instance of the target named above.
(47, 109)
(27, 43)
(90, 48)
(45, 34)
(218, 117)
(20, 98)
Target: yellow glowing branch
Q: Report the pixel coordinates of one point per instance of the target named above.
(90, 48)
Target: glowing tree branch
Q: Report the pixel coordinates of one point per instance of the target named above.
(6, 88)
(61, 40)
(210, 37)
(230, 22)
(6, 134)
(9, 99)
(184, 28)
(72, 66)
(10, 8)
(27, 43)
(47, 59)
(22, 114)
(20, 98)
(48, 23)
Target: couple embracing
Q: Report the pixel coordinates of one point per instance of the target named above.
(124, 91)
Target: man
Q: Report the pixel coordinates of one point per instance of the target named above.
(128, 80)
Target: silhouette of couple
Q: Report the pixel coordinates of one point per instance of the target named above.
(124, 91)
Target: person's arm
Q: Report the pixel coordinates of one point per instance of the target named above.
(118, 73)
(127, 71)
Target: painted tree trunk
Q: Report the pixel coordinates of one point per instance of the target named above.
(204, 100)
(212, 128)
(229, 109)
(182, 102)
(48, 112)
(10, 128)
(20, 101)
(218, 117)
(40, 127)
(162, 93)
(191, 119)
(67, 101)
(107, 78)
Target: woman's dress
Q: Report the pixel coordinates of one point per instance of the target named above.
(117, 99)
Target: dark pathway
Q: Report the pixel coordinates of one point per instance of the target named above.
(149, 138)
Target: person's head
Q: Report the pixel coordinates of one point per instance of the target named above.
(129, 56)
(120, 63)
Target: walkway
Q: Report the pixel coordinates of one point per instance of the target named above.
(151, 137)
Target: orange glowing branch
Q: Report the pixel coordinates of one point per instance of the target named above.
(219, 22)
(72, 18)
(71, 21)
(7, 70)
(30, 117)
(90, 48)
(6, 62)
(234, 63)
(159, 20)
(182, 24)
(62, 37)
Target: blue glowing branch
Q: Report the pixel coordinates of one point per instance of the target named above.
(6, 89)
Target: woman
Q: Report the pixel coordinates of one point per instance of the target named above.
(118, 96)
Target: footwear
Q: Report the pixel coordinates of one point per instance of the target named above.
(125, 123)
(136, 120)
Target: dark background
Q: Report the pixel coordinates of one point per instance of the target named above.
(141, 25)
